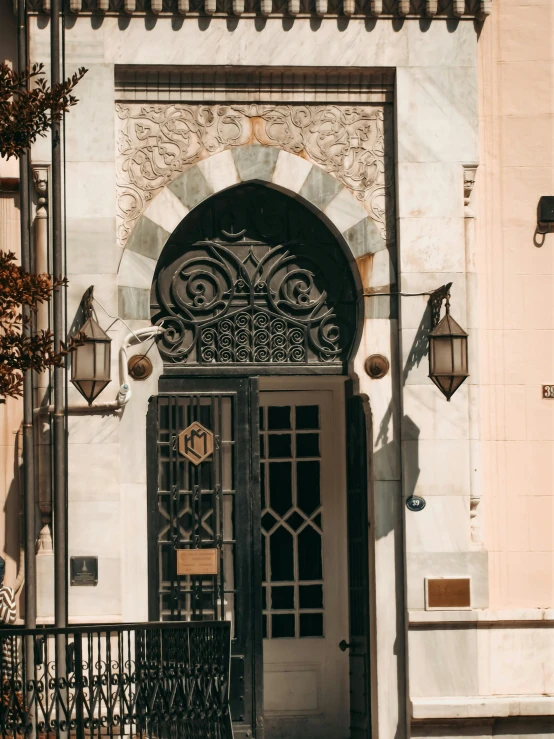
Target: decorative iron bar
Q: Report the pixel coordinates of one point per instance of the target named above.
(253, 277)
(169, 681)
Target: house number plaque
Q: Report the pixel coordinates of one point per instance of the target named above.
(548, 392)
(197, 561)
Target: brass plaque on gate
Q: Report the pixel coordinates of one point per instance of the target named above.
(197, 561)
(448, 592)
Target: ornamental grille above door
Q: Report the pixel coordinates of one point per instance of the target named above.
(252, 276)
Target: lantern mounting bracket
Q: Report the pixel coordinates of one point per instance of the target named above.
(436, 299)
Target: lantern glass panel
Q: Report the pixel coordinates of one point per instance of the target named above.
(86, 387)
(83, 361)
(441, 355)
(459, 353)
(102, 369)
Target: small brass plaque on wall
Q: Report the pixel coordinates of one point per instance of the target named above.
(83, 571)
(197, 561)
(448, 593)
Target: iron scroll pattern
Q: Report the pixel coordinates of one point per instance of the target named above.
(255, 303)
(169, 681)
(158, 142)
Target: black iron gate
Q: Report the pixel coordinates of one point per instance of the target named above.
(203, 493)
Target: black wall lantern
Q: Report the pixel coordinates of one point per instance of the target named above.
(448, 352)
(91, 361)
(545, 214)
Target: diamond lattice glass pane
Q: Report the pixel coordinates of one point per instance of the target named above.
(307, 417)
(309, 554)
(311, 624)
(308, 486)
(278, 417)
(280, 486)
(282, 598)
(281, 555)
(279, 445)
(268, 521)
(307, 445)
(282, 625)
(185, 524)
(295, 520)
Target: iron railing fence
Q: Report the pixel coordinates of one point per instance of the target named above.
(155, 680)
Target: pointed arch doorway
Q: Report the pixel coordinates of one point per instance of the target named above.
(262, 307)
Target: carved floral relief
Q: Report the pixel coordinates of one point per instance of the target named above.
(158, 142)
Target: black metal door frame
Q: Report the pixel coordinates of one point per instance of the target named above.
(357, 468)
(247, 655)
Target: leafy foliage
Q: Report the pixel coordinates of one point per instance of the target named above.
(28, 113)
(25, 114)
(18, 351)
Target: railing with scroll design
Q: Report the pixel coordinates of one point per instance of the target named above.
(168, 681)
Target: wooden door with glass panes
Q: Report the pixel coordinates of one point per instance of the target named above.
(304, 565)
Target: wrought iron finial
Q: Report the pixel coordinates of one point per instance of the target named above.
(86, 302)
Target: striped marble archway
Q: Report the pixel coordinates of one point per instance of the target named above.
(263, 164)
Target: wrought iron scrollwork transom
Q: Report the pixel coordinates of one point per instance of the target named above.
(253, 276)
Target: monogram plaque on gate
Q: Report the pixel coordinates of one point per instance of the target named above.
(196, 443)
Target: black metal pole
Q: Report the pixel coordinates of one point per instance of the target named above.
(28, 397)
(28, 440)
(58, 417)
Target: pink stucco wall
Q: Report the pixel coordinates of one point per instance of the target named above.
(516, 68)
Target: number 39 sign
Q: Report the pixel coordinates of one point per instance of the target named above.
(548, 391)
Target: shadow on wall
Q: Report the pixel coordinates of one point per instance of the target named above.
(388, 516)
(388, 447)
(13, 518)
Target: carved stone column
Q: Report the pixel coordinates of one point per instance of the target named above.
(40, 178)
(475, 475)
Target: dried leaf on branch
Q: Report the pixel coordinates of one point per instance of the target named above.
(28, 112)
(18, 351)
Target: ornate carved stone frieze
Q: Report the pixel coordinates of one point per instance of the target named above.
(158, 142)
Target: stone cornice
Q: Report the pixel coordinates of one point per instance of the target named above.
(426, 9)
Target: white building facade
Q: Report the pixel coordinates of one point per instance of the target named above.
(281, 187)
